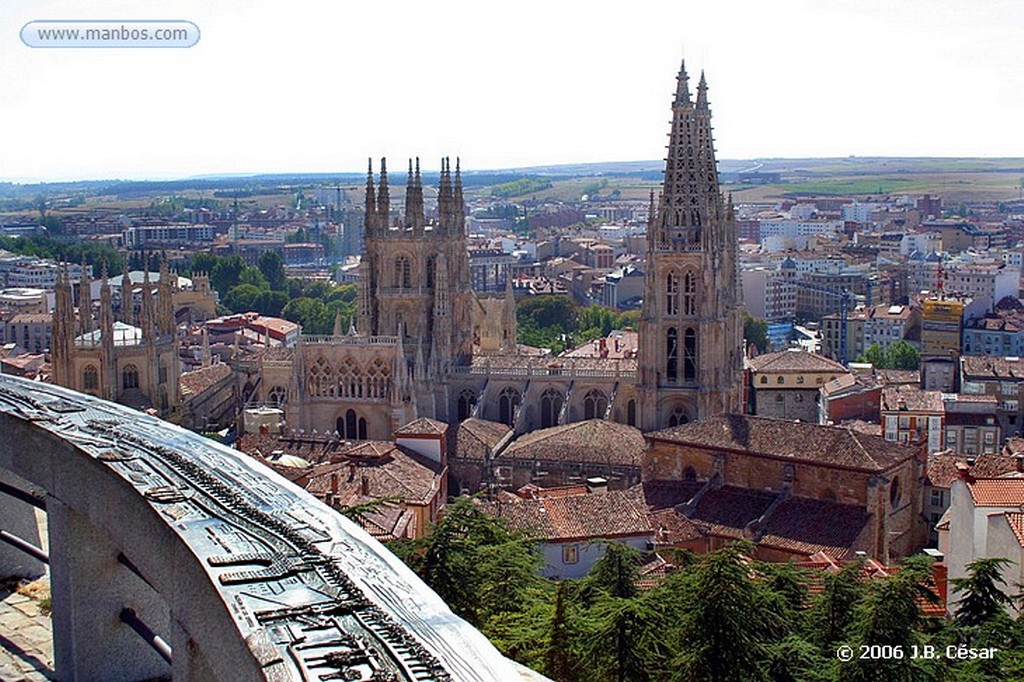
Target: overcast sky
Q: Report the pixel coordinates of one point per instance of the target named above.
(301, 86)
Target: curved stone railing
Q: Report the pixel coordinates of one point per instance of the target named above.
(245, 575)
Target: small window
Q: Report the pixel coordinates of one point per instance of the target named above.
(800, 379)
(570, 554)
(895, 492)
(780, 380)
(938, 498)
(764, 380)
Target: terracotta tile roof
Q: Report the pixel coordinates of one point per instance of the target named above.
(911, 399)
(727, 511)
(423, 426)
(595, 441)
(477, 438)
(660, 499)
(806, 526)
(997, 492)
(991, 367)
(944, 467)
(397, 474)
(799, 441)
(795, 361)
(586, 516)
(196, 382)
(894, 377)
(1016, 523)
(861, 426)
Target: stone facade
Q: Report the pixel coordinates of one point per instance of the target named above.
(133, 365)
(426, 346)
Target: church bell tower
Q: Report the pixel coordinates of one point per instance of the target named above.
(691, 326)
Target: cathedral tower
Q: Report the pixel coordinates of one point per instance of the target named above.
(414, 280)
(691, 328)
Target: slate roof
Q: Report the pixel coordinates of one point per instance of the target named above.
(565, 518)
(477, 438)
(795, 361)
(797, 441)
(727, 511)
(594, 441)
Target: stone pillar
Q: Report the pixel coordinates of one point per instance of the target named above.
(18, 518)
(89, 588)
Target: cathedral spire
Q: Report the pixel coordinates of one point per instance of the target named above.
(460, 207)
(383, 198)
(414, 215)
(702, 93)
(682, 87)
(85, 300)
(127, 299)
(370, 219)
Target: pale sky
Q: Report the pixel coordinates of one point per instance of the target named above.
(302, 86)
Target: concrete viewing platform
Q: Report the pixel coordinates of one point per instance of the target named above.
(26, 636)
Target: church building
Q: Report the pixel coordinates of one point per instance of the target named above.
(426, 345)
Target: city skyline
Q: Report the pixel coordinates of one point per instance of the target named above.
(542, 85)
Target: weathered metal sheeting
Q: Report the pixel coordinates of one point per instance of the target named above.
(312, 595)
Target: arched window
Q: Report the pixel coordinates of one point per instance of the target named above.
(90, 378)
(800, 379)
(780, 380)
(550, 406)
(894, 492)
(350, 432)
(690, 355)
(403, 273)
(672, 294)
(130, 377)
(508, 401)
(277, 396)
(595, 404)
(690, 294)
(678, 417)
(376, 385)
(321, 379)
(362, 429)
(672, 354)
(431, 269)
(689, 474)
(467, 401)
(764, 379)
(631, 413)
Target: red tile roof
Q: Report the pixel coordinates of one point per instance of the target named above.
(1016, 523)
(806, 526)
(798, 441)
(997, 492)
(478, 438)
(911, 399)
(585, 516)
(196, 382)
(423, 426)
(795, 361)
(944, 467)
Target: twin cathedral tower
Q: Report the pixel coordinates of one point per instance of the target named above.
(426, 345)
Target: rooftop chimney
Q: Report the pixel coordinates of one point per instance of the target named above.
(366, 486)
(597, 484)
(334, 482)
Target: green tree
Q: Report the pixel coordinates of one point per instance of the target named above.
(890, 615)
(831, 611)
(242, 298)
(902, 355)
(253, 276)
(625, 640)
(723, 636)
(272, 267)
(481, 568)
(270, 303)
(755, 332)
(310, 313)
(616, 572)
(875, 355)
(225, 274)
(203, 262)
